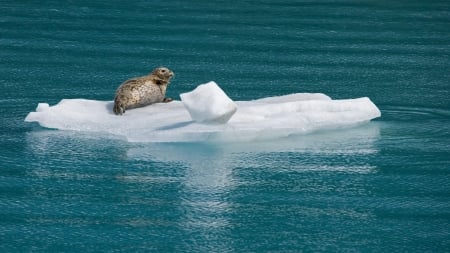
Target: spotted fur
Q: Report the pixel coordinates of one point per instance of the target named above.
(143, 91)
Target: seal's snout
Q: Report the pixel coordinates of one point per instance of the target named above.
(168, 75)
(163, 72)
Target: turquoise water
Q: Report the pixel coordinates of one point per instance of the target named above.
(380, 187)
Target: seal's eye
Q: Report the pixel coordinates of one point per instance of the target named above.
(163, 70)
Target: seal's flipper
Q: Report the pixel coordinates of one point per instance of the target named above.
(119, 108)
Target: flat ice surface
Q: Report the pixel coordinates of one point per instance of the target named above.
(261, 119)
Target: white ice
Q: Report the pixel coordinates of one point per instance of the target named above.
(261, 119)
(208, 103)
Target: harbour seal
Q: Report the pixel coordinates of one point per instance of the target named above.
(142, 91)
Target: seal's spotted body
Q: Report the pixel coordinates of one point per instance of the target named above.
(142, 91)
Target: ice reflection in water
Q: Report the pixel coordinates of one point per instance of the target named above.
(206, 184)
(210, 180)
(197, 188)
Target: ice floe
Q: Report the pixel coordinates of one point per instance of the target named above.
(208, 114)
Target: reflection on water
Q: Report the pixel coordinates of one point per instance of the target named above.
(359, 140)
(216, 173)
(206, 184)
(191, 188)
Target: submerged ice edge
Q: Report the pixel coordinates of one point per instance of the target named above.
(262, 119)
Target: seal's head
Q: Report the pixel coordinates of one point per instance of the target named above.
(162, 75)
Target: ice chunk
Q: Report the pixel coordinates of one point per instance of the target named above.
(209, 103)
(260, 119)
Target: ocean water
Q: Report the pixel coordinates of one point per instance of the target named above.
(379, 187)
